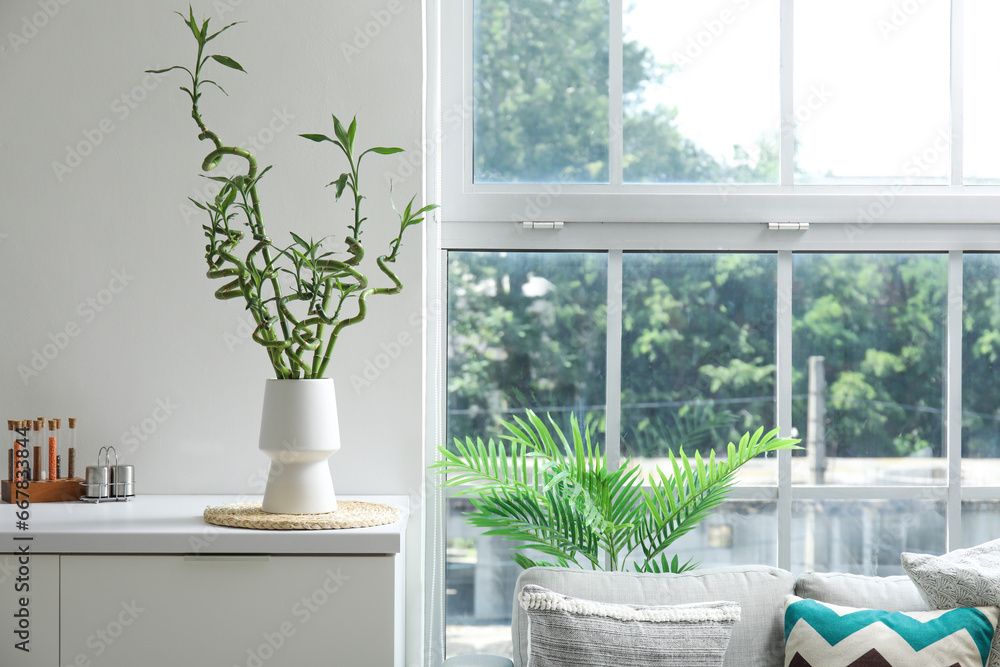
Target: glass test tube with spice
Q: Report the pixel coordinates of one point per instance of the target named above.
(42, 446)
(53, 448)
(71, 452)
(10, 450)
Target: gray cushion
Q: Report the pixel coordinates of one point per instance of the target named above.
(960, 578)
(895, 593)
(757, 639)
(566, 631)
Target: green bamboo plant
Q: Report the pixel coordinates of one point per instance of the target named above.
(297, 326)
(559, 498)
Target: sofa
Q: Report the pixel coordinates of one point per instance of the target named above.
(757, 638)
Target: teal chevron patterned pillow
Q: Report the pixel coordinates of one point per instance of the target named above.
(825, 635)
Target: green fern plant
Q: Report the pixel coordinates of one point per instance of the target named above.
(557, 496)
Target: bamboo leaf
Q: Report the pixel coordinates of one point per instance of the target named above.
(351, 131)
(341, 132)
(228, 62)
(217, 86)
(382, 150)
(219, 32)
(192, 24)
(317, 137)
(161, 71)
(341, 184)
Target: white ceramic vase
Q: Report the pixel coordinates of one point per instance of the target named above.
(298, 431)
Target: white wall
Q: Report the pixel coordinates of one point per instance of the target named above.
(160, 356)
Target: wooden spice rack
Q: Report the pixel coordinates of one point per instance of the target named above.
(54, 491)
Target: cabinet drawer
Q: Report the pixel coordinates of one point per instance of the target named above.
(245, 611)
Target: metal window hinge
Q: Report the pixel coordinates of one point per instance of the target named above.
(538, 224)
(787, 226)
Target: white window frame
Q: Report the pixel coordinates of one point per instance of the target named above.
(617, 218)
(466, 201)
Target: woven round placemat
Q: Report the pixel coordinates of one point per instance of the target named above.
(349, 514)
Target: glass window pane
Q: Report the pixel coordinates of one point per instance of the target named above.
(871, 411)
(980, 370)
(739, 532)
(871, 91)
(697, 354)
(479, 587)
(982, 102)
(864, 536)
(541, 91)
(980, 522)
(701, 91)
(525, 331)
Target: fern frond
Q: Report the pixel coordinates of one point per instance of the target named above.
(555, 495)
(665, 565)
(677, 504)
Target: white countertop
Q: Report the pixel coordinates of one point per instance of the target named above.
(174, 525)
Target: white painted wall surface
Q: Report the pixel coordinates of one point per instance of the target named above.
(101, 263)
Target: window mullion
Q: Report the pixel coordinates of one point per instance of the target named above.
(466, 105)
(616, 114)
(783, 396)
(953, 422)
(613, 411)
(613, 368)
(786, 152)
(957, 92)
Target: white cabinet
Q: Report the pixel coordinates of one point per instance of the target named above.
(281, 611)
(150, 584)
(40, 574)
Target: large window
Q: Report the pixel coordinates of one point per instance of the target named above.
(654, 140)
